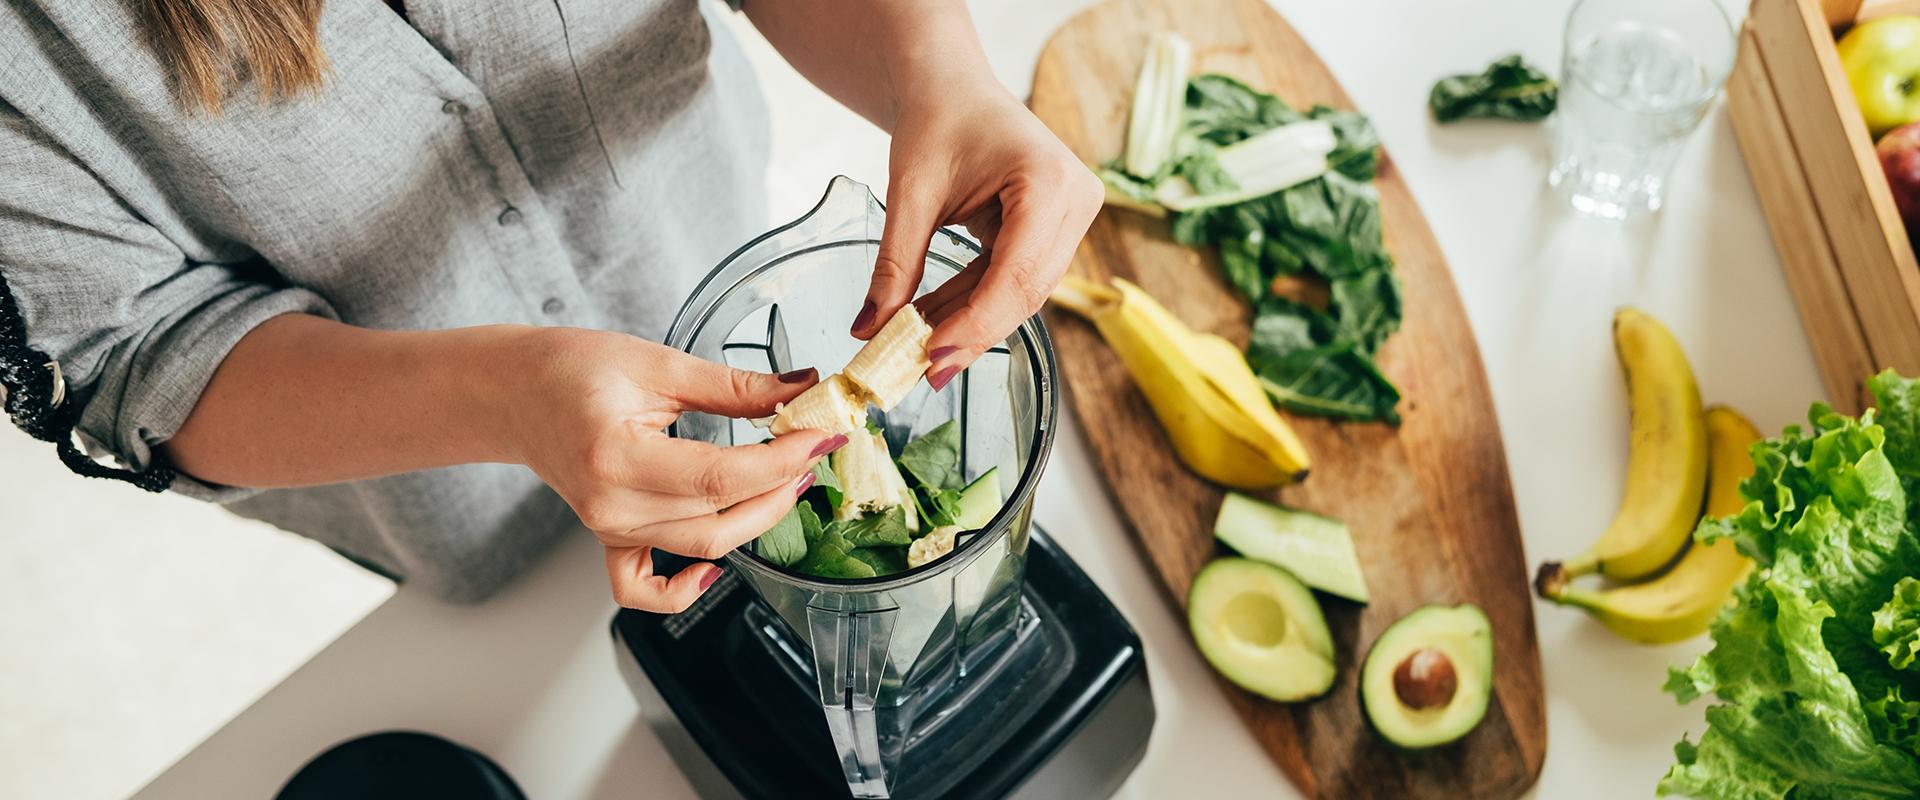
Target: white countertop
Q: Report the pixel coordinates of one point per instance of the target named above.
(529, 678)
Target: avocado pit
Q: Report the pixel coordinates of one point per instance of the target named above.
(1425, 679)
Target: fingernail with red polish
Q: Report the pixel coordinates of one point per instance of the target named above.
(712, 575)
(797, 376)
(825, 447)
(941, 352)
(939, 379)
(806, 482)
(865, 317)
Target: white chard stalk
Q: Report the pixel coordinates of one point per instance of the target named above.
(1260, 165)
(1159, 96)
(883, 373)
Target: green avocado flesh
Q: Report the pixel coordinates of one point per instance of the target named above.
(1261, 629)
(1461, 634)
(979, 501)
(1317, 549)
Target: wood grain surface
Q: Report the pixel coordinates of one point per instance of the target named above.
(1429, 502)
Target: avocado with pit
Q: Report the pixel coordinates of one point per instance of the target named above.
(1427, 679)
(1261, 629)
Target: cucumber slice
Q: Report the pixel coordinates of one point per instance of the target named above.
(979, 501)
(1316, 549)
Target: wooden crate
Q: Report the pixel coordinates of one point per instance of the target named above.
(1841, 241)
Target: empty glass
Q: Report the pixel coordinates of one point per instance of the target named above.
(898, 655)
(1636, 77)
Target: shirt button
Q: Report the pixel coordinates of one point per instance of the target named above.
(511, 216)
(554, 305)
(454, 107)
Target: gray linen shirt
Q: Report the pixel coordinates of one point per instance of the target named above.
(576, 162)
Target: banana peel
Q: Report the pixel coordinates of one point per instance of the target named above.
(1199, 385)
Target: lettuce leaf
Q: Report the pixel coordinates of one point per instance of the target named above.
(1809, 703)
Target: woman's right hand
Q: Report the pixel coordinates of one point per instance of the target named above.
(591, 421)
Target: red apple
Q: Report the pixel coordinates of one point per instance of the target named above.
(1900, 158)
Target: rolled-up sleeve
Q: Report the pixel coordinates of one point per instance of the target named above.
(136, 327)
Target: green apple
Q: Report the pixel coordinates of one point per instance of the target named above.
(1882, 60)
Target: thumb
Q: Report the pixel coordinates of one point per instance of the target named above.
(912, 214)
(701, 385)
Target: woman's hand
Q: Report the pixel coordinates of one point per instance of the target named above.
(970, 154)
(592, 424)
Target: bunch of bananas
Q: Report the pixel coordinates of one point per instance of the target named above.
(1199, 385)
(1679, 453)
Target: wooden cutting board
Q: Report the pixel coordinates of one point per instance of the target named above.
(1429, 502)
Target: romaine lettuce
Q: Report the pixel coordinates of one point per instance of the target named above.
(1811, 702)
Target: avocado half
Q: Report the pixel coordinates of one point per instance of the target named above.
(1261, 628)
(1427, 679)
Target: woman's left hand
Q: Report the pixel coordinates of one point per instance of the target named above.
(970, 154)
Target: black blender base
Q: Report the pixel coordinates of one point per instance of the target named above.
(770, 741)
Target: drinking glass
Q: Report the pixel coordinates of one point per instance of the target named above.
(1636, 77)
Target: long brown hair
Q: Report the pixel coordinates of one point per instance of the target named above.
(211, 45)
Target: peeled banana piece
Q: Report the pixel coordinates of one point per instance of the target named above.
(1680, 603)
(891, 363)
(1198, 385)
(883, 373)
(1666, 463)
(938, 542)
(832, 405)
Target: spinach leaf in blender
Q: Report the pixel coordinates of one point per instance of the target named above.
(934, 458)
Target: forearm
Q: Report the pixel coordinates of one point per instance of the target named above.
(876, 56)
(303, 400)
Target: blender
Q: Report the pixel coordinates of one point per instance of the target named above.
(998, 669)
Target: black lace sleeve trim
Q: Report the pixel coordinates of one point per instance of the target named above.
(29, 385)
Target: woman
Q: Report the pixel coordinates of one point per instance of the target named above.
(373, 272)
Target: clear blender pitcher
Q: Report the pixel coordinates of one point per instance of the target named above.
(896, 658)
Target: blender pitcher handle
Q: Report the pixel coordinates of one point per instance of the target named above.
(850, 661)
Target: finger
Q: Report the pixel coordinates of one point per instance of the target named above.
(715, 535)
(701, 385)
(723, 476)
(937, 305)
(913, 211)
(630, 570)
(1022, 270)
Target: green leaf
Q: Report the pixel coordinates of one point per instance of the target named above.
(1282, 326)
(1368, 308)
(887, 527)
(1896, 625)
(826, 485)
(1331, 381)
(830, 555)
(934, 458)
(1358, 153)
(1507, 89)
(786, 542)
(883, 560)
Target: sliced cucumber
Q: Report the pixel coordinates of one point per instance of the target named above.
(979, 501)
(1316, 549)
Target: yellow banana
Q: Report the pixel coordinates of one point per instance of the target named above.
(1221, 424)
(1666, 464)
(1679, 604)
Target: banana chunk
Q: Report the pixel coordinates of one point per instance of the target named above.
(832, 405)
(886, 369)
(938, 542)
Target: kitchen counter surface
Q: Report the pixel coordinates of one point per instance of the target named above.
(530, 679)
